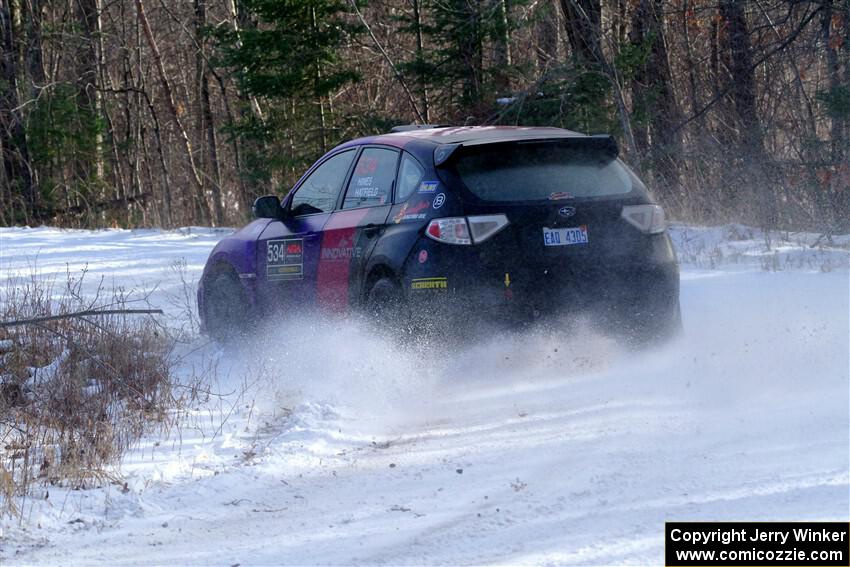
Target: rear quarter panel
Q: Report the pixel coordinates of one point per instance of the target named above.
(403, 240)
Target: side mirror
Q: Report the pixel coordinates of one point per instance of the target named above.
(268, 207)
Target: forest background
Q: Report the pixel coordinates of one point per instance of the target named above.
(180, 112)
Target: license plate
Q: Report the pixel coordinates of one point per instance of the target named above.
(565, 236)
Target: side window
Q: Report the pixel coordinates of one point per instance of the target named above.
(410, 175)
(319, 191)
(372, 182)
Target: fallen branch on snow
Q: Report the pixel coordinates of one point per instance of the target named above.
(87, 313)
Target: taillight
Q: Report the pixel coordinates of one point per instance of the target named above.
(452, 230)
(648, 219)
(466, 230)
(485, 226)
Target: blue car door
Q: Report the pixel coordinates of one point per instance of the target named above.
(288, 250)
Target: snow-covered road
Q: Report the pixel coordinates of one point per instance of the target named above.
(333, 446)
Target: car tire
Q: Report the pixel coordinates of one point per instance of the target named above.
(386, 304)
(227, 313)
(655, 330)
(385, 301)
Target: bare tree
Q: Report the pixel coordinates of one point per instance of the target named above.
(200, 201)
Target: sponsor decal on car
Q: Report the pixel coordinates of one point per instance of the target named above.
(339, 250)
(439, 200)
(400, 214)
(428, 186)
(423, 256)
(344, 250)
(366, 165)
(367, 192)
(285, 259)
(560, 196)
(408, 213)
(421, 284)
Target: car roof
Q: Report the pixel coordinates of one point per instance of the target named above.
(468, 135)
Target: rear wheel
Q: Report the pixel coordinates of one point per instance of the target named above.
(385, 300)
(386, 304)
(228, 316)
(654, 327)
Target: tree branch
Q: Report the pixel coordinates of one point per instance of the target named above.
(88, 313)
(396, 72)
(788, 40)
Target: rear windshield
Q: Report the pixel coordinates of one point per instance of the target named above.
(535, 172)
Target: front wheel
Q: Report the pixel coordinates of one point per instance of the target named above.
(226, 306)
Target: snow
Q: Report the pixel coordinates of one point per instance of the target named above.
(324, 443)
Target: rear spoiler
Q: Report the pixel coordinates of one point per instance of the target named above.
(604, 143)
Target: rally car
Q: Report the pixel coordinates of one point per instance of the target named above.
(512, 223)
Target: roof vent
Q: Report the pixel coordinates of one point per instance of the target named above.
(412, 127)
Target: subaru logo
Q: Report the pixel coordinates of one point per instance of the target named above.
(567, 211)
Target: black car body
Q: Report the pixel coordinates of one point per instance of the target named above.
(510, 222)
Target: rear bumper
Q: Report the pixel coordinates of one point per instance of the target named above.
(615, 291)
(460, 282)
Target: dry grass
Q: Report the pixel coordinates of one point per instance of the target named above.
(75, 393)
